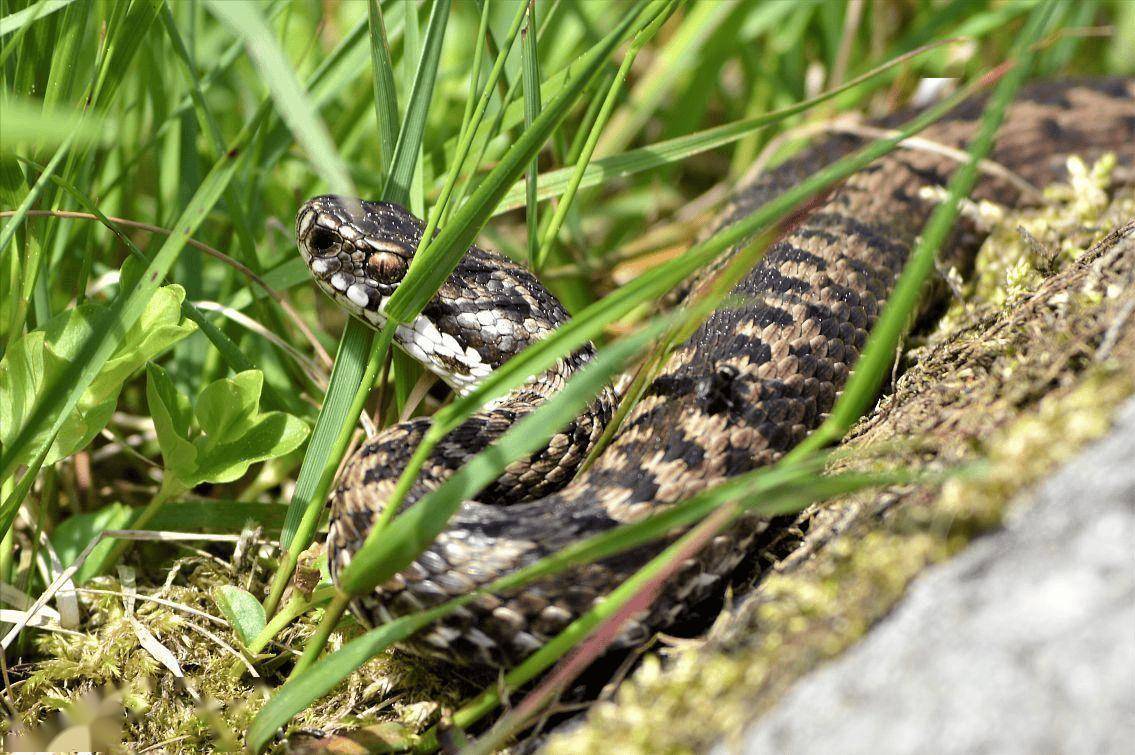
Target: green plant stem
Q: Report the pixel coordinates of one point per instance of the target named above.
(529, 46)
(296, 606)
(305, 531)
(170, 489)
(613, 92)
(465, 140)
(8, 543)
(478, 60)
(315, 644)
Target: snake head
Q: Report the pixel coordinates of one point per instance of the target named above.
(358, 251)
(488, 309)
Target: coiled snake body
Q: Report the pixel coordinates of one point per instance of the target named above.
(746, 387)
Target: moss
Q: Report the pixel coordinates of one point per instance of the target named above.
(210, 707)
(1027, 246)
(1010, 383)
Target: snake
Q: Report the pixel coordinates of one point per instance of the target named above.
(748, 385)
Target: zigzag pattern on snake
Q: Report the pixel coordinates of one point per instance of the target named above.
(747, 386)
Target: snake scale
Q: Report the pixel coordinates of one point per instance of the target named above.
(742, 390)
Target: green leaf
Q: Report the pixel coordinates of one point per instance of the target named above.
(159, 327)
(269, 436)
(235, 433)
(172, 417)
(40, 355)
(226, 404)
(75, 532)
(243, 612)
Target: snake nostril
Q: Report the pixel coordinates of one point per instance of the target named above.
(322, 240)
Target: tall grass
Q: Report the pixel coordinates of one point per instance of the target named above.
(573, 136)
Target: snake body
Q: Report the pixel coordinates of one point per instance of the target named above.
(746, 387)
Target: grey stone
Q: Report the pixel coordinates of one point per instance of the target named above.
(1024, 643)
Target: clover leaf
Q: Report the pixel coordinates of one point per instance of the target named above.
(36, 356)
(232, 434)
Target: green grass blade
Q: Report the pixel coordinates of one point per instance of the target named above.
(529, 50)
(433, 264)
(213, 516)
(670, 151)
(409, 144)
(123, 43)
(27, 121)
(467, 122)
(334, 74)
(588, 149)
(224, 62)
(21, 18)
(512, 113)
(208, 121)
(318, 467)
(292, 102)
(8, 232)
(385, 96)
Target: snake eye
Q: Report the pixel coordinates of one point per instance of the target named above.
(322, 240)
(387, 268)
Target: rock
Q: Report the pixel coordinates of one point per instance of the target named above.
(1024, 643)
